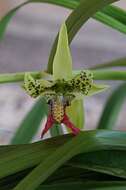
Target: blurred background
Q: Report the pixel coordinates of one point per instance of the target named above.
(26, 47)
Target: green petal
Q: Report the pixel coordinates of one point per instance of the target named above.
(96, 88)
(62, 65)
(76, 113)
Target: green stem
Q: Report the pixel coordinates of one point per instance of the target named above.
(98, 75)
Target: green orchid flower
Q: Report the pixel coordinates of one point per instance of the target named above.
(64, 91)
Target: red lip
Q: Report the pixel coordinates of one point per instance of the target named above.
(66, 121)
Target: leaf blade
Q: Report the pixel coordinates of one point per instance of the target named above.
(112, 108)
(59, 157)
(75, 21)
(26, 156)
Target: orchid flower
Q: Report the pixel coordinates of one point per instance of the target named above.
(64, 88)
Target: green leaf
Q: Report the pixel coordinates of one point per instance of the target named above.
(75, 21)
(90, 185)
(79, 185)
(62, 64)
(111, 162)
(16, 158)
(97, 88)
(31, 123)
(116, 12)
(76, 113)
(112, 108)
(83, 143)
(110, 21)
(65, 178)
(65, 174)
(6, 19)
(48, 166)
(12, 180)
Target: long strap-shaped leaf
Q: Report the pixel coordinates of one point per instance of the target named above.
(76, 20)
(111, 162)
(5, 20)
(110, 21)
(116, 13)
(99, 161)
(65, 178)
(112, 108)
(53, 162)
(19, 157)
(90, 185)
(73, 147)
(100, 16)
(79, 185)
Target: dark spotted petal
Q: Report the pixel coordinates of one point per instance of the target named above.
(82, 82)
(31, 86)
(35, 87)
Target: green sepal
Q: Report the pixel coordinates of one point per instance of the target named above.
(97, 88)
(76, 113)
(62, 64)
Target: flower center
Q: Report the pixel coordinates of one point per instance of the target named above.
(57, 106)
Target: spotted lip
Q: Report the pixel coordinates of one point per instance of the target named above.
(57, 108)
